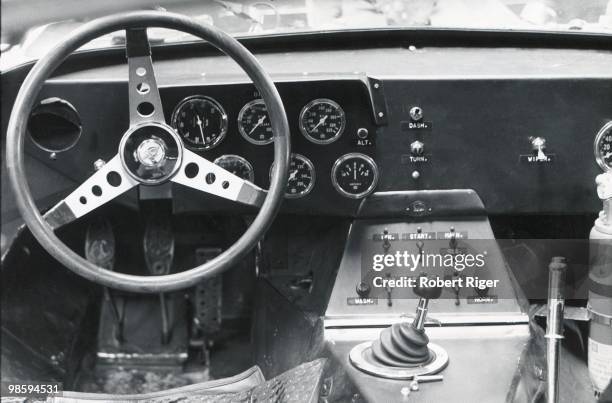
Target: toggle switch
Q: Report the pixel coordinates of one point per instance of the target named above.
(538, 145)
(363, 289)
(417, 148)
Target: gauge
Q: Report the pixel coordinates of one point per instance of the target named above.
(603, 147)
(237, 165)
(322, 121)
(355, 175)
(254, 123)
(301, 176)
(200, 121)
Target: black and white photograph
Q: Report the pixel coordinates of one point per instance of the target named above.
(306, 201)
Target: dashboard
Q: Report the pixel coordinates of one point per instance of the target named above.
(527, 131)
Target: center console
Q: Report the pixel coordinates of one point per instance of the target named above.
(425, 304)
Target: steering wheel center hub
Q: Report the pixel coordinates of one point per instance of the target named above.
(151, 153)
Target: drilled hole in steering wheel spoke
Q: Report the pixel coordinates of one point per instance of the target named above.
(191, 170)
(113, 178)
(145, 109)
(210, 178)
(143, 88)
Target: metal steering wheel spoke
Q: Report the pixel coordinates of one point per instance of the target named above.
(198, 173)
(144, 100)
(106, 184)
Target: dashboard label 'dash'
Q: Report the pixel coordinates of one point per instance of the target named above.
(410, 125)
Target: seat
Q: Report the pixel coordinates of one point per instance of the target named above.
(298, 385)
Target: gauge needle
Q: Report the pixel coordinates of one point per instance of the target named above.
(259, 123)
(292, 175)
(354, 171)
(199, 122)
(321, 122)
(607, 155)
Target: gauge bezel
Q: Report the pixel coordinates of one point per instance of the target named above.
(224, 121)
(315, 102)
(242, 160)
(343, 159)
(607, 128)
(311, 166)
(243, 132)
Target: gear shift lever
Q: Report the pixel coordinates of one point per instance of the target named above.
(403, 350)
(404, 344)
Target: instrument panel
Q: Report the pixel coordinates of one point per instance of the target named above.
(331, 157)
(541, 155)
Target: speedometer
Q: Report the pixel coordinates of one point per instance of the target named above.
(355, 175)
(200, 121)
(603, 147)
(322, 121)
(254, 123)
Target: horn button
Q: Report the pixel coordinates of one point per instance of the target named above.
(151, 153)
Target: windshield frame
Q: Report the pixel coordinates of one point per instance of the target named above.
(365, 38)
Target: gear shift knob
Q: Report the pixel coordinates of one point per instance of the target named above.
(424, 291)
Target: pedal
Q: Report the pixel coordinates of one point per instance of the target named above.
(158, 245)
(208, 297)
(100, 250)
(100, 244)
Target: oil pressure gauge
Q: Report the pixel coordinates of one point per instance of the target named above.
(322, 121)
(301, 177)
(254, 123)
(355, 175)
(603, 147)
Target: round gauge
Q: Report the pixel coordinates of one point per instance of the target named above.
(301, 177)
(200, 121)
(322, 121)
(355, 175)
(603, 147)
(254, 123)
(237, 165)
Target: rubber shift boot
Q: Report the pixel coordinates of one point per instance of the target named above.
(401, 345)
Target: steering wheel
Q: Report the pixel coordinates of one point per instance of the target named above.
(150, 152)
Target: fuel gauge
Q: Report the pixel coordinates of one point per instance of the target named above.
(236, 165)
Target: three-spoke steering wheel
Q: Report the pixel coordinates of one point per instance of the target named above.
(150, 152)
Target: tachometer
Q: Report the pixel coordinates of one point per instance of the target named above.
(236, 165)
(254, 123)
(603, 147)
(355, 175)
(322, 121)
(200, 121)
(301, 177)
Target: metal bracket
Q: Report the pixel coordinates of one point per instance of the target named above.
(376, 93)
